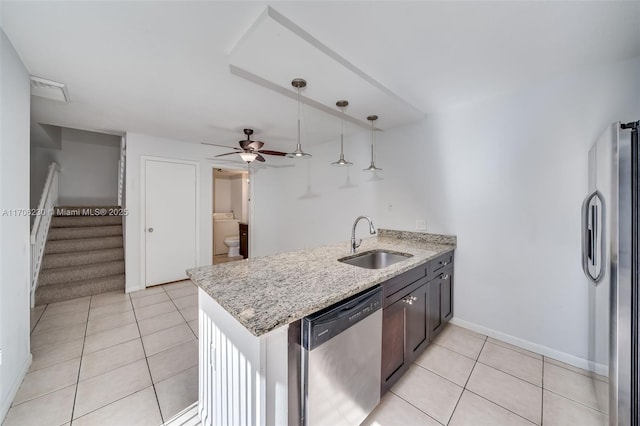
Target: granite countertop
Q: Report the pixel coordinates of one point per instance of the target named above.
(265, 293)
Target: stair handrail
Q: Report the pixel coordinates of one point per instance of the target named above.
(40, 229)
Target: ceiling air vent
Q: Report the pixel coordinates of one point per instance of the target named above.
(49, 89)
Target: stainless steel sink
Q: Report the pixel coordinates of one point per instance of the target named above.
(375, 259)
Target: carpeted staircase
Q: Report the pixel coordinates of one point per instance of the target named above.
(84, 255)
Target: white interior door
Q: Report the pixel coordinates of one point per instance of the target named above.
(170, 220)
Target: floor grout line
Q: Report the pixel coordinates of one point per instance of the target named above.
(464, 387)
(498, 405)
(146, 358)
(84, 339)
(509, 374)
(514, 350)
(487, 399)
(414, 406)
(577, 402)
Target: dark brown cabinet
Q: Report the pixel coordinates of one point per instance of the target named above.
(440, 302)
(394, 356)
(405, 331)
(418, 304)
(244, 240)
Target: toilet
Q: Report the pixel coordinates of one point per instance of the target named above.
(234, 246)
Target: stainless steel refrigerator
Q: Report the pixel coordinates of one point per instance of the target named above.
(611, 263)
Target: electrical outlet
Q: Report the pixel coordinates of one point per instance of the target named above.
(421, 225)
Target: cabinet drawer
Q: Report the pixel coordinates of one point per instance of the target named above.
(439, 263)
(396, 284)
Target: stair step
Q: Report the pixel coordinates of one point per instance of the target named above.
(71, 221)
(62, 260)
(84, 232)
(72, 290)
(84, 244)
(79, 273)
(79, 211)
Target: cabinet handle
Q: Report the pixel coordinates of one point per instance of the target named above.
(408, 301)
(444, 262)
(414, 298)
(444, 276)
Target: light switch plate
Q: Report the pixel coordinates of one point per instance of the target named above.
(421, 225)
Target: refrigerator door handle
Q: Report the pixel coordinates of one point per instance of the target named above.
(593, 237)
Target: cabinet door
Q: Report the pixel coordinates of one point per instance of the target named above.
(417, 335)
(435, 307)
(446, 296)
(393, 348)
(244, 240)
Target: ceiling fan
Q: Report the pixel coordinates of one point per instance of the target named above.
(250, 150)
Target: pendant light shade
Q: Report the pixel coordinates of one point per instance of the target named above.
(298, 83)
(372, 167)
(342, 162)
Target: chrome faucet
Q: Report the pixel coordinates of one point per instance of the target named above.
(372, 231)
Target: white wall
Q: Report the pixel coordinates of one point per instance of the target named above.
(14, 230)
(40, 160)
(222, 194)
(313, 203)
(235, 196)
(508, 176)
(89, 168)
(229, 196)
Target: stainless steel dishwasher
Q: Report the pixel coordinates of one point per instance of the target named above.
(341, 361)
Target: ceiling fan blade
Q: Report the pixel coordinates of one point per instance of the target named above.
(260, 158)
(221, 146)
(228, 153)
(269, 152)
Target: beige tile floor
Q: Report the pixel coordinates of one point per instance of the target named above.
(112, 359)
(465, 378)
(118, 359)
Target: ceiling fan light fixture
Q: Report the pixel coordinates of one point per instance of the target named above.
(248, 156)
(298, 83)
(342, 162)
(372, 167)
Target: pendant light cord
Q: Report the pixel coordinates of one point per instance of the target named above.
(298, 118)
(373, 138)
(342, 133)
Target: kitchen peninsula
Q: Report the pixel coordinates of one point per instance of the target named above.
(250, 313)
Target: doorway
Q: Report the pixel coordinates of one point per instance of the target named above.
(230, 215)
(170, 219)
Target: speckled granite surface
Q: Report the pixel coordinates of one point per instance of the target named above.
(267, 292)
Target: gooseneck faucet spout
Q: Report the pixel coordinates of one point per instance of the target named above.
(372, 231)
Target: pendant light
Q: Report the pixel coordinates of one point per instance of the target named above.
(372, 167)
(342, 162)
(298, 83)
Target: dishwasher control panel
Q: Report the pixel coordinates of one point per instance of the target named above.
(327, 323)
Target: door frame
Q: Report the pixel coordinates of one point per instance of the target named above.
(143, 208)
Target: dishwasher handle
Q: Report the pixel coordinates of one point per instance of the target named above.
(324, 325)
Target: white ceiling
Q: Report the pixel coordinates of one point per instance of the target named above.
(162, 68)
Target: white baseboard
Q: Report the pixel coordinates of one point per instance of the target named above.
(535, 347)
(6, 404)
